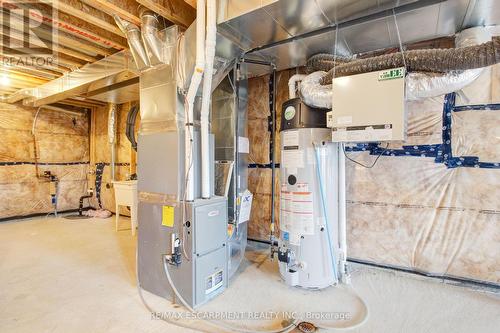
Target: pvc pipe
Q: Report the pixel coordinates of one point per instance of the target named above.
(342, 212)
(207, 94)
(294, 79)
(191, 94)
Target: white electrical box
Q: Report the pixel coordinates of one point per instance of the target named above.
(369, 107)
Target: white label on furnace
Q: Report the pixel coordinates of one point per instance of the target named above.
(293, 158)
(214, 282)
(245, 206)
(290, 138)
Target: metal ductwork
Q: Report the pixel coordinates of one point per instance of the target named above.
(147, 43)
(134, 40)
(114, 79)
(150, 37)
(98, 78)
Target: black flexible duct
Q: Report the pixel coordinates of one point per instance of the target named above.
(438, 60)
(324, 62)
(130, 128)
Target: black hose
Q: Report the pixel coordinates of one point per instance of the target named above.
(80, 207)
(130, 127)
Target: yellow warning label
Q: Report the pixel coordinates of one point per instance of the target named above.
(167, 216)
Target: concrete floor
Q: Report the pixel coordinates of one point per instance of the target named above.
(60, 275)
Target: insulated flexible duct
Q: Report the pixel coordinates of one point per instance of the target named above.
(313, 93)
(424, 84)
(439, 60)
(292, 83)
(324, 62)
(418, 84)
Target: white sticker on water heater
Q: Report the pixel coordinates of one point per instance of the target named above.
(290, 139)
(297, 212)
(292, 158)
(303, 212)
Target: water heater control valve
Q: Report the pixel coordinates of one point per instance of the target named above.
(284, 255)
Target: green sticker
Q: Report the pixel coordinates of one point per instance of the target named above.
(391, 74)
(289, 112)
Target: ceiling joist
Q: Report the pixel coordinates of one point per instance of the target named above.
(87, 13)
(69, 24)
(176, 11)
(86, 33)
(18, 35)
(64, 38)
(125, 9)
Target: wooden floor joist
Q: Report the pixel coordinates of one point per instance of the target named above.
(192, 3)
(125, 9)
(39, 42)
(21, 77)
(42, 13)
(176, 11)
(63, 38)
(32, 72)
(90, 14)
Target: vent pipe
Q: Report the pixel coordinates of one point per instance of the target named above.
(191, 94)
(206, 178)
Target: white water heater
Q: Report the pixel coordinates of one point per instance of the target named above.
(309, 243)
